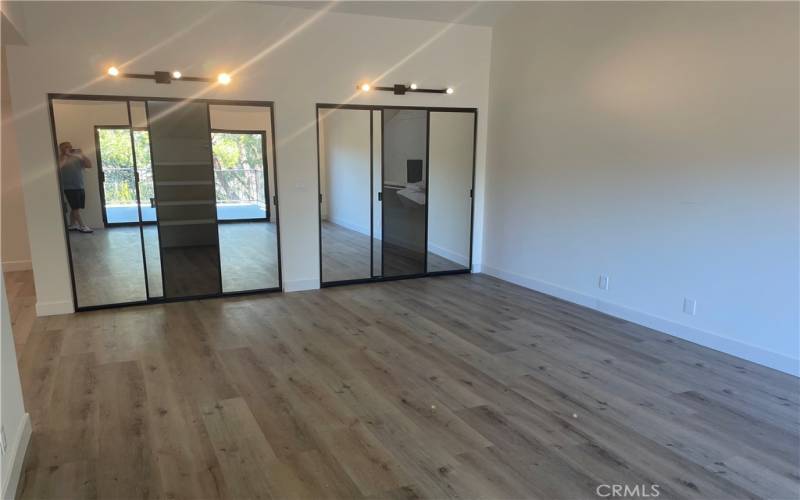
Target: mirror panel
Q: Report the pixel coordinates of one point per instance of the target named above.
(344, 170)
(405, 133)
(449, 190)
(97, 187)
(244, 185)
(377, 208)
(183, 177)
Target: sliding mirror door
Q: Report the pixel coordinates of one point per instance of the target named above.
(95, 162)
(244, 180)
(147, 199)
(405, 155)
(451, 156)
(395, 191)
(183, 176)
(377, 210)
(345, 194)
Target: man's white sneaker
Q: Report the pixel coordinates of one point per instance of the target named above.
(74, 227)
(85, 229)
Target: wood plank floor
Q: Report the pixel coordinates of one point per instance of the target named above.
(450, 387)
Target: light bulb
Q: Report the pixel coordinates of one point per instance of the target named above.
(365, 87)
(176, 75)
(224, 78)
(113, 71)
(449, 90)
(413, 86)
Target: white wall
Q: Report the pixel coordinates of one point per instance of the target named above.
(344, 167)
(449, 182)
(294, 57)
(405, 139)
(656, 143)
(14, 420)
(16, 254)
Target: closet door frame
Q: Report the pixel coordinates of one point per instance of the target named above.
(143, 99)
(377, 107)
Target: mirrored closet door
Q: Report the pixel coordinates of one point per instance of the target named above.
(396, 190)
(166, 199)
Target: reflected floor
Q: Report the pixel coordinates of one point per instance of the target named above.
(108, 263)
(345, 256)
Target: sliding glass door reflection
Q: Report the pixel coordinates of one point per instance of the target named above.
(244, 178)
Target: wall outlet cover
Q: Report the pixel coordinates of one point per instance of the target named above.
(689, 306)
(602, 283)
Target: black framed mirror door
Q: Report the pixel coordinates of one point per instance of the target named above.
(395, 191)
(180, 206)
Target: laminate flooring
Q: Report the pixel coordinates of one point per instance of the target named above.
(459, 386)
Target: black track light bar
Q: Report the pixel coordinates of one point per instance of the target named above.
(169, 76)
(402, 89)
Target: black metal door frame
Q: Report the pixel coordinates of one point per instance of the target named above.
(129, 99)
(429, 110)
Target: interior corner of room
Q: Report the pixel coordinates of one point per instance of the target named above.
(544, 248)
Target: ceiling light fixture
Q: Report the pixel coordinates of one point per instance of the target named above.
(169, 76)
(402, 89)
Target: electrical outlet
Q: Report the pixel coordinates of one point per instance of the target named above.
(689, 306)
(602, 283)
(3, 440)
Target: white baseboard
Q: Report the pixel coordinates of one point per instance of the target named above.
(16, 265)
(300, 285)
(349, 225)
(17, 450)
(704, 338)
(447, 254)
(53, 308)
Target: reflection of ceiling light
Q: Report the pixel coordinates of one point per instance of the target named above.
(449, 90)
(413, 86)
(224, 78)
(365, 87)
(113, 71)
(176, 75)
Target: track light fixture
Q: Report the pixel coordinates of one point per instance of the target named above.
(402, 89)
(169, 76)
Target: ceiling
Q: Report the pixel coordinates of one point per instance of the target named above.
(473, 13)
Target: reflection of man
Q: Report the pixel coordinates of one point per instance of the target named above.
(71, 163)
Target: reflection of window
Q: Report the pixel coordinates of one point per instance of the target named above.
(141, 145)
(239, 168)
(116, 159)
